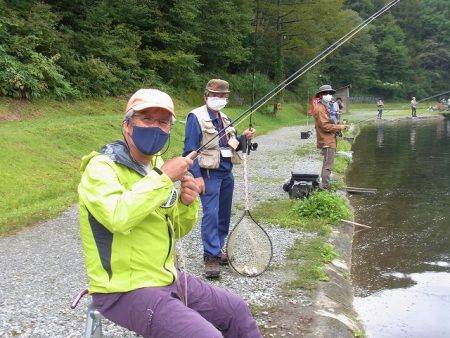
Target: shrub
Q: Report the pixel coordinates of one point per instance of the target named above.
(322, 204)
(36, 76)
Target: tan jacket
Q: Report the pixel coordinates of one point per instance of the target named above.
(209, 158)
(325, 130)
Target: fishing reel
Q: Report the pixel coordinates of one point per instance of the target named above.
(251, 146)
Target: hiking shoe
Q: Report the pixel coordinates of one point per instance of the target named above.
(212, 267)
(223, 258)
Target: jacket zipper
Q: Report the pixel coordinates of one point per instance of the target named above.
(169, 230)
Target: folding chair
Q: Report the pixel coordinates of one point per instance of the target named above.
(93, 317)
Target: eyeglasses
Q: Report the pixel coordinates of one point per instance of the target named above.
(150, 122)
(211, 94)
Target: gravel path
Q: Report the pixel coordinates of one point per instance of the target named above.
(42, 267)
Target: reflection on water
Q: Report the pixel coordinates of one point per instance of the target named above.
(380, 136)
(417, 311)
(412, 137)
(408, 248)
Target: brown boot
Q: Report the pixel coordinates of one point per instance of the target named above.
(212, 267)
(223, 258)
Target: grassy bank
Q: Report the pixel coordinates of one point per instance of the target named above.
(392, 110)
(42, 144)
(317, 215)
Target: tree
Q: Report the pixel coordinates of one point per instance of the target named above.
(354, 63)
(225, 26)
(432, 53)
(364, 8)
(28, 52)
(393, 61)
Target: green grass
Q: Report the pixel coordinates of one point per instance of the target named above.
(321, 205)
(307, 149)
(279, 212)
(39, 166)
(341, 164)
(42, 143)
(307, 257)
(316, 214)
(359, 112)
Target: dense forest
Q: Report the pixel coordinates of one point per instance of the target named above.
(84, 48)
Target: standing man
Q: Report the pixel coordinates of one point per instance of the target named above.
(413, 107)
(380, 107)
(340, 105)
(334, 111)
(326, 129)
(213, 170)
(130, 216)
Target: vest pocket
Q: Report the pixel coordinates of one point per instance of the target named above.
(235, 158)
(209, 159)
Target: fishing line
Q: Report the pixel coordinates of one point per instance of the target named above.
(362, 121)
(263, 100)
(427, 98)
(179, 247)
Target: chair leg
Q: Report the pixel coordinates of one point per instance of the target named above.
(93, 323)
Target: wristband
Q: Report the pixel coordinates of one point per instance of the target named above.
(158, 170)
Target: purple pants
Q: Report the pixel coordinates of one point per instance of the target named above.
(161, 311)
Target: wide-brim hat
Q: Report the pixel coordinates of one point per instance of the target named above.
(149, 98)
(325, 89)
(217, 86)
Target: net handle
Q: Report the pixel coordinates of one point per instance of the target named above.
(244, 145)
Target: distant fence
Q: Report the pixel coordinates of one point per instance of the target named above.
(362, 99)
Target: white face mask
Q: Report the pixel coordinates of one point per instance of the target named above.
(216, 103)
(327, 97)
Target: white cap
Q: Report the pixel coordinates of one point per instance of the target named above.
(148, 98)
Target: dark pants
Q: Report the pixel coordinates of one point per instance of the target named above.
(413, 111)
(380, 113)
(328, 160)
(216, 203)
(211, 312)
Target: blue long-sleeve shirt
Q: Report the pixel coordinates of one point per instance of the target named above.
(193, 137)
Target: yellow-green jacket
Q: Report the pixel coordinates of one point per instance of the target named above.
(128, 239)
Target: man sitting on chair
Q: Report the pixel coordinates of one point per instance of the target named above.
(130, 217)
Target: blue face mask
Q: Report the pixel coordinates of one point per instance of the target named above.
(149, 140)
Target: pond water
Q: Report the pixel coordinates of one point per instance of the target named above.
(401, 265)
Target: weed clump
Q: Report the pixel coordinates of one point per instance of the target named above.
(322, 204)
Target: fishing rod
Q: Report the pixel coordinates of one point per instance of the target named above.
(263, 100)
(252, 145)
(431, 97)
(359, 122)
